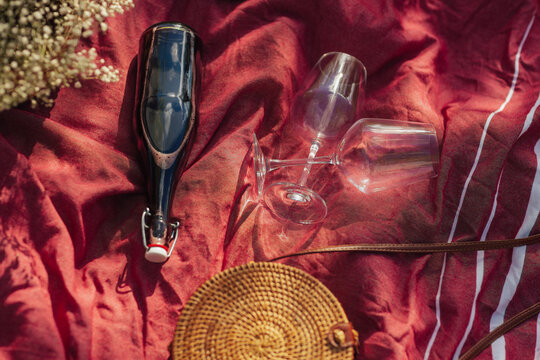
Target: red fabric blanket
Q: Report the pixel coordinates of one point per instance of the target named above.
(73, 280)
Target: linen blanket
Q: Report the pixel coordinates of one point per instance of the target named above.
(73, 280)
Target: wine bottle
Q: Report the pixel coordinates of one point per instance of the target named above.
(165, 122)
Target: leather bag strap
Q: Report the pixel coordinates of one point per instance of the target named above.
(421, 248)
(502, 329)
(460, 246)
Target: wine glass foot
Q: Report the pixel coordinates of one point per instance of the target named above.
(292, 202)
(259, 165)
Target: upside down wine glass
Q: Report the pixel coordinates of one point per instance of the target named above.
(373, 155)
(324, 108)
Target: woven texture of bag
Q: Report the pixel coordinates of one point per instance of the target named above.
(260, 311)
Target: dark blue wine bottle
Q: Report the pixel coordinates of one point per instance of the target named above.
(165, 121)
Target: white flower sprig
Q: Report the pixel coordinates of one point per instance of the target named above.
(38, 41)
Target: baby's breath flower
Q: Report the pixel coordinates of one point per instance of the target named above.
(38, 41)
(87, 33)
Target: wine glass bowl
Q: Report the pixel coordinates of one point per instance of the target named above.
(330, 98)
(378, 154)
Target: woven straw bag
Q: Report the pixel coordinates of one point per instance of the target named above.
(271, 311)
(263, 311)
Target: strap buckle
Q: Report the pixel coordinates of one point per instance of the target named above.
(342, 335)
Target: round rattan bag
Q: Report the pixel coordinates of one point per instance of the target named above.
(263, 311)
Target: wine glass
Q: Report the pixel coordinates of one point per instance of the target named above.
(324, 108)
(373, 155)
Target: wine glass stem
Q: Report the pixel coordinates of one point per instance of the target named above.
(307, 169)
(274, 164)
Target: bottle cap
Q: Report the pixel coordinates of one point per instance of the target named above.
(156, 254)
